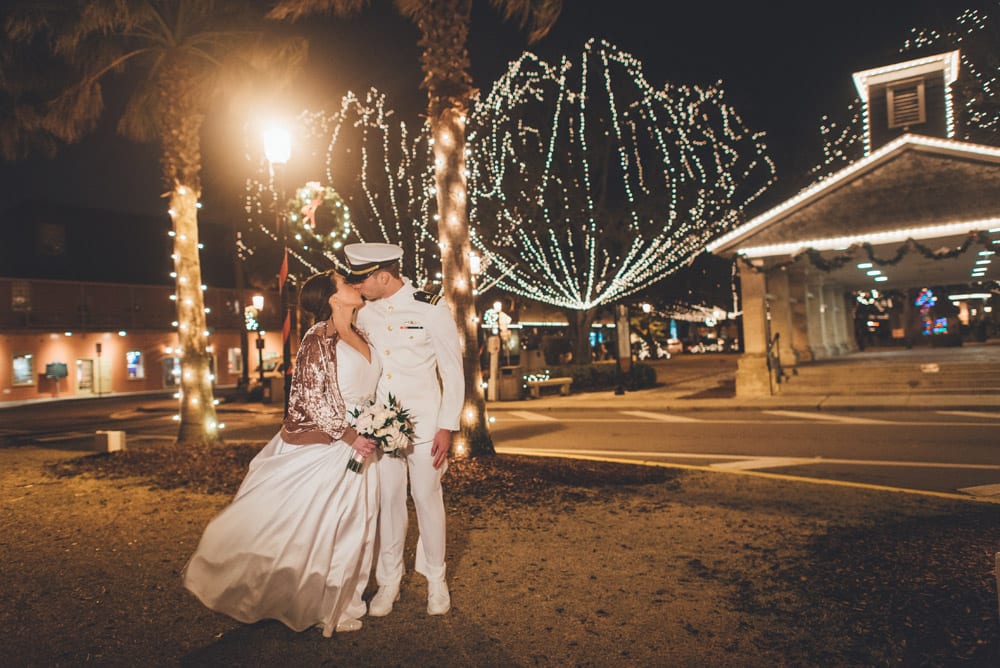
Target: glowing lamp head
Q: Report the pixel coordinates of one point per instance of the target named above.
(258, 301)
(277, 145)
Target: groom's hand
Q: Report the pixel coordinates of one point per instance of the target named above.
(441, 447)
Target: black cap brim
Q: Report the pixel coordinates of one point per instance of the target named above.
(358, 274)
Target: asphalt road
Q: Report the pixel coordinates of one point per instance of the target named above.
(65, 423)
(951, 452)
(938, 451)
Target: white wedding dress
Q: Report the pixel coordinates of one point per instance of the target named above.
(296, 542)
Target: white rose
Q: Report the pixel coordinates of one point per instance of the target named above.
(364, 424)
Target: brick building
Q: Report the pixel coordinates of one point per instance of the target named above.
(86, 304)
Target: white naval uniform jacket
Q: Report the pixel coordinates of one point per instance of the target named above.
(416, 336)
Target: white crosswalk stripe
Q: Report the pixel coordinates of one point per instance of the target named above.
(977, 414)
(824, 417)
(982, 490)
(659, 417)
(762, 463)
(65, 436)
(531, 416)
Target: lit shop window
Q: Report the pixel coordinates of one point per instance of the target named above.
(24, 369)
(235, 361)
(171, 372)
(133, 365)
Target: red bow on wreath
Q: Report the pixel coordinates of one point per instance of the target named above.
(309, 210)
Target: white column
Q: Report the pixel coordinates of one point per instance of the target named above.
(781, 316)
(799, 317)
(834, 299)
(815, 313)
(752, 377)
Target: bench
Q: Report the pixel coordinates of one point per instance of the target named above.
(535, 386)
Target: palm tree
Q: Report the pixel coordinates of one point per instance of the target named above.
(184, 53)
(444, 31)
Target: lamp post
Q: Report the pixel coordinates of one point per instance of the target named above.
(253, 325)
(278, 149)
(624, 342)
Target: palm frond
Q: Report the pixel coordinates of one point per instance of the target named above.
(293, 10)
(537, 15)
(141, 118)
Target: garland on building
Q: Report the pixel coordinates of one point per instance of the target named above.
(817, 260)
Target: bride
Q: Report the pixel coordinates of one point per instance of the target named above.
(296, 542)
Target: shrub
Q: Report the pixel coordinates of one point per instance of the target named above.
(602, 376)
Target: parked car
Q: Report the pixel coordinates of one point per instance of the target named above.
(273, 368)
(675, 346)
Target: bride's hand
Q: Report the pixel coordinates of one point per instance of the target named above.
(364, 446)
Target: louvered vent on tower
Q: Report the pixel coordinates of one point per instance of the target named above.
(911, 97)
(905, 103)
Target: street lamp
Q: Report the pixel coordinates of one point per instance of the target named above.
(624, 341)
(278, 149)
(251, 317)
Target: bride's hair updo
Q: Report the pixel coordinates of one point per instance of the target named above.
(316, 292)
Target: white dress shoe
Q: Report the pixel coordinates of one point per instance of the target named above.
(349, 625)
(438, 598)
(381, 603)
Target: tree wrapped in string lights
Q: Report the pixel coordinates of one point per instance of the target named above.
(375, 185)
(976, 36)
(589, 184)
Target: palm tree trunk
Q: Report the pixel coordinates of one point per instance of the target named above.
(197, 408)
(448, 130)
(444, 33)
(181, 160)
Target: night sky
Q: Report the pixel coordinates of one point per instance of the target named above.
(783, 65)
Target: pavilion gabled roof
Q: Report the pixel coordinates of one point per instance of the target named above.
(913, 187)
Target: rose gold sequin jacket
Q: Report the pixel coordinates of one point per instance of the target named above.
(316, 410)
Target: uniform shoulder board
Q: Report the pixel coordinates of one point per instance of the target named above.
(426, 297)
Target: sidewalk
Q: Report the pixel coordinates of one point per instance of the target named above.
(673, 399)
(703, 383)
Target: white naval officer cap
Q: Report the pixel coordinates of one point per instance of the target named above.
(365, 259)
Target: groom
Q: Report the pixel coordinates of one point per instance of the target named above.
(416, 336)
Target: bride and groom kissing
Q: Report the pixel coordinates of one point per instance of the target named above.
(300, 538)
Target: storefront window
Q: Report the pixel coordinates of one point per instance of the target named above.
(24, 369)
(235, 359)
(171, 372)
(85, 375)
(133, 365)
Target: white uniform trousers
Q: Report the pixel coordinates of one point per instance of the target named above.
(428, 500)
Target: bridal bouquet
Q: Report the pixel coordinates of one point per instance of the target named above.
(387, 424)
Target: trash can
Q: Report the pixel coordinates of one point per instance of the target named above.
(109, 441)
(511, 380)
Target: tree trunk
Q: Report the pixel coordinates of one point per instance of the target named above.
(448, 130)
(579, 334)
(181, 160)
(444, 33)
(197, 408)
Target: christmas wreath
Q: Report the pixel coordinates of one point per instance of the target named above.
(319, 218)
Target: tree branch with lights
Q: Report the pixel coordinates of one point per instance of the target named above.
(590, 184)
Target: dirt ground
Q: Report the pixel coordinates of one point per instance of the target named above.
(551, 563)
